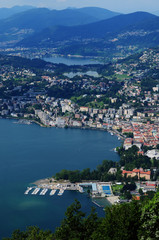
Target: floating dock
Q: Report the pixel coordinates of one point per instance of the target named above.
(35, 191)
(44, 191)
(97, 204)
(28, 190)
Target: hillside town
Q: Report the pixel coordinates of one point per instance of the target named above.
(26, 96)
(123, 99)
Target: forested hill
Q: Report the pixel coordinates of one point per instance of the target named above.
(138, 29)
(19, 62)
(105, 29)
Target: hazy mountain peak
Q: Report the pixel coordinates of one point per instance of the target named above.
(8, 12)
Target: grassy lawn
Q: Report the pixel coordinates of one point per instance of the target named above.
(118, 77)
(121, 77)
(116, 188)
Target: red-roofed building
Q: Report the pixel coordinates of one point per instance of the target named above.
(140, 153)
(137, 198)
(137, 172)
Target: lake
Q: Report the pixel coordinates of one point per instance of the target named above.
(29, 153)
(72, 60)
(89, 73)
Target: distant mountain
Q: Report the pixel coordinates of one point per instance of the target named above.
(98, 13)
(23, 24)
(120, 27)
(8, 12)
(40, 18)
(156, 13)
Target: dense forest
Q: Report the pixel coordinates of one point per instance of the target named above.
(128, 221)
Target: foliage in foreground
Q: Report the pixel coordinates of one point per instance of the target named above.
(135, 220)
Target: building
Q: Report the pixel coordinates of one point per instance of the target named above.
(140, 173)
(60, 122)
(112, 170)
(128, 143)
(154, 153)
(84, 109)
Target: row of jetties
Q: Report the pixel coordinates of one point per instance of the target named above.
(43, 191)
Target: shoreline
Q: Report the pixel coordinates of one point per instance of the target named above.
(51, 183)
(68, 127)
(25, 119)
(112, 199)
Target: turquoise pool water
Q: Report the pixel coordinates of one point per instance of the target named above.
(106, 190)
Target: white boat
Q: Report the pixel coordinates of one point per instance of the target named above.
(52, 192)
(81, 190)
(60, 192)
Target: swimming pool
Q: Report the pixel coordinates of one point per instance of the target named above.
(106, 190)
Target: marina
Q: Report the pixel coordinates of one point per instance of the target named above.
(98, 190)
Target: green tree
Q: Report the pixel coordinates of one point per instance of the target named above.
(75, 225)
(32, 233)
(150, 220)
(121, 223)
(141, 192)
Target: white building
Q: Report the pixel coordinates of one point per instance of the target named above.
(154, 153)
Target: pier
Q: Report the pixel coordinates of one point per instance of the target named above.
(35, 191)
(44, 191)
(28, 190)
(97, 204)
(96, 189)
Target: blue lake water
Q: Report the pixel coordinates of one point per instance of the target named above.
(72, 60)
(29, 153)
(89, 73)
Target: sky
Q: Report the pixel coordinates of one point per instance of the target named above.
(123, 6)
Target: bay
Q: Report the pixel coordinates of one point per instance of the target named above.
(29, 153)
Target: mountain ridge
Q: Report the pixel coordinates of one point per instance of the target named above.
(101, 29)
(40, 18)
(8, 12)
